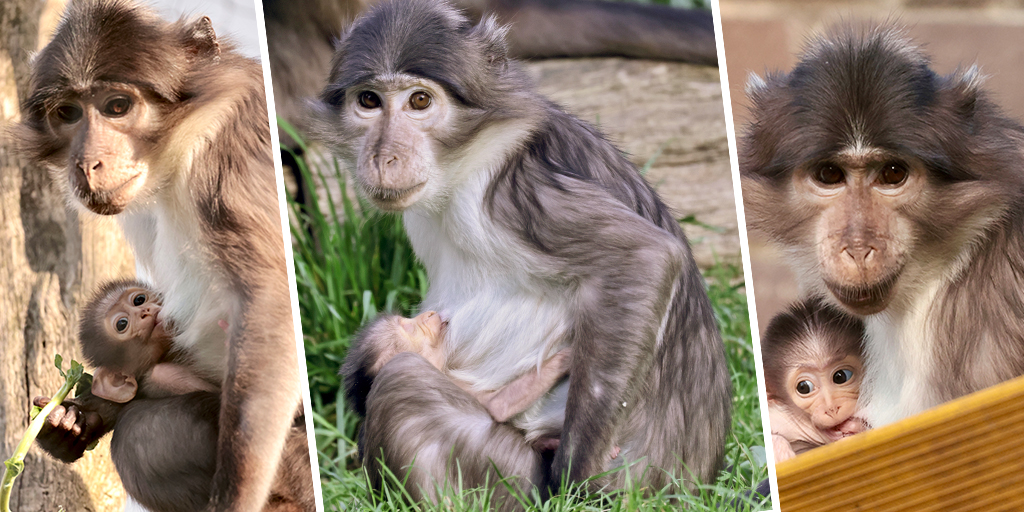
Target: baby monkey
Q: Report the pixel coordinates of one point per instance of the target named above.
(813, 367)
(122, 334)
(388, 335)
(124, 337)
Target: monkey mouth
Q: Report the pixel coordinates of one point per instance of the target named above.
(110, 201)
(847, 428)
(865, 300)
(102, 205)
(394, 200)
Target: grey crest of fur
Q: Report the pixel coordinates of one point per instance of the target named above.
(875, 80)
(641, 323)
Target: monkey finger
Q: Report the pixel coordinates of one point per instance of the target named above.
(40, 401)
(91, 422)
(56, 416)
(70, 419)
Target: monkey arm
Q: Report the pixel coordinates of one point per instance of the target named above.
(75, 424)
(781, 448)
(621, 270)
(260, 391)
(168, 379)
(519, 394)
(795, 428)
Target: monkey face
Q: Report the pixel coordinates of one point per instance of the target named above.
(423, 330)
(423, 335)
(873, 172)
(393, 126)
(133, 321)
(859, 233)
(105, 134)
(828, 394)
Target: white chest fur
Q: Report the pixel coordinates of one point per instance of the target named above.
(170, 254)
(899, 354)
(504, 317)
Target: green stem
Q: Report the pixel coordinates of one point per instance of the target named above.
(16, 464)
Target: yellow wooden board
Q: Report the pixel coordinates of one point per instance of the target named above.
(967, 454)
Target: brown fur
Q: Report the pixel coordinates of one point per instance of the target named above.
(197, 145)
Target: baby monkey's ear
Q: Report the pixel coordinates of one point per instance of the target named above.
(114, 386)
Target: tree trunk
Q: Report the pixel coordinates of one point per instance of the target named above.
(50, 260)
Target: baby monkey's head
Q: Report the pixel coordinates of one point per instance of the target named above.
(380, 340)
(121, 329)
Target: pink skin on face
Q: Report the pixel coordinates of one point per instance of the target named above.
(135, 317)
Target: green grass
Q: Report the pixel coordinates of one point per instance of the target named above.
(351, 262)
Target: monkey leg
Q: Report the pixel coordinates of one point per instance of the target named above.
(165, 449)
(425, 429)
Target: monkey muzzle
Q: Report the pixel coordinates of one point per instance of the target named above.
(102, 194)
(864, 300)
(395, 200)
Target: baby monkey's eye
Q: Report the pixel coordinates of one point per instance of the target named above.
(121, 325)
(842, 376)
(804, 387)
(139, 299)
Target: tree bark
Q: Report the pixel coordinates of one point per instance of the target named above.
(50, 260)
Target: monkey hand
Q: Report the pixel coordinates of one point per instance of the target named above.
(69, 429)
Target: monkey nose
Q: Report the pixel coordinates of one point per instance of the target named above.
(859, 253)
(90, 168)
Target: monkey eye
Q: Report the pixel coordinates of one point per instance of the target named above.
(893, 173)
(842, 376)
(369, 100)
(829, 174)
(139, 299)
(121, 325)
(419, 100)
(117, 107)
(804, 387)
(69, 113)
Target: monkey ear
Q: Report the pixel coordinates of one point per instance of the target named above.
(201, 40)
(965, 86)
(493, 35)
(755, 84)
(114, 386)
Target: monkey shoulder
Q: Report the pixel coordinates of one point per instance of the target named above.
(570, 184)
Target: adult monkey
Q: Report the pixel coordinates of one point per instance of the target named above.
(165, 127)
(537, 235)
(898, 194)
